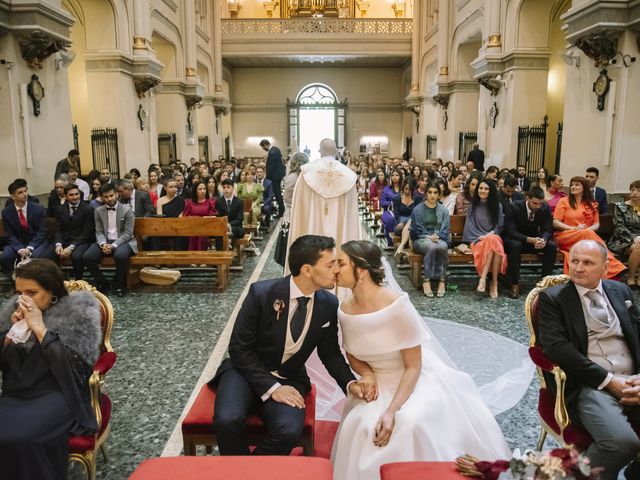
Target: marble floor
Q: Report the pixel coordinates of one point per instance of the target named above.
(164, 336)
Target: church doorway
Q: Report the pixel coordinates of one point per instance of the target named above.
(316, 114)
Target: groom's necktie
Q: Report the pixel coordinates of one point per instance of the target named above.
(299, 316)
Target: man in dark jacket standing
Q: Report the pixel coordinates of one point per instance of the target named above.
(477, 157)
(275, 171)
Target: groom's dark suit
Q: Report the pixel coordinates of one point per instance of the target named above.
(255, 350)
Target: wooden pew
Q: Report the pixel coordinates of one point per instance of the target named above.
(184, 227)
(172, 227)
(455, 258)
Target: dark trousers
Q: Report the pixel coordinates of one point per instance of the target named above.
(236, 232)
(615, 443)
(121, 256)
(516, 248)
(277, 193)
(34, 435)
(76, 258)
(10, 255)
(235, 400)
(266, 211)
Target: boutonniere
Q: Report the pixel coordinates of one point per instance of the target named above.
(278, 306)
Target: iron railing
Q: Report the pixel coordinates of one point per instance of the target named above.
(465, 144)
(432, 142)
(532, 143)
(75, 137)
(104, 148)
(203, 148)
(558, 147)
(167, 151)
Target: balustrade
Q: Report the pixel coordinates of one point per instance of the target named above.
(294, 26)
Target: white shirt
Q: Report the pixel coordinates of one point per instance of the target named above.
(84, 188)
(24, 212)
(291, 347)
(112, 226)
(24, 209)
(585, 301)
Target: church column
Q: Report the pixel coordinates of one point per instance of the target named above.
(525, 78)
(220, 100)
(494, 45)
(141, 27)
(443, 41)
(415, 48)
(190, 40)
(446, 145)
(414, 100)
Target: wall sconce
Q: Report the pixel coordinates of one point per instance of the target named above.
(398, 7)
(269, 6)
(363, 6)
(234, 8)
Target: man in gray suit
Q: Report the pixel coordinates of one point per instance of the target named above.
(114, 235)
(590, 328)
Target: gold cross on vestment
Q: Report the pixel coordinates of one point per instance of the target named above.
(329, 174)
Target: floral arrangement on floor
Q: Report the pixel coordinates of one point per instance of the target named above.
(557, 464)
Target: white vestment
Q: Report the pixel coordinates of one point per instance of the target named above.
(325, 202)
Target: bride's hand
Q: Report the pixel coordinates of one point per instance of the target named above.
(384, 427)
(369, 386)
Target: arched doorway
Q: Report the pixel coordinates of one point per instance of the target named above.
(316, 114)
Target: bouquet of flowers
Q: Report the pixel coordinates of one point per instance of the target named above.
(557, 464)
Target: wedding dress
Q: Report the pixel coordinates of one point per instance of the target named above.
(443, 418)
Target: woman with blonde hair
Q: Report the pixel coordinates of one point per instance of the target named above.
(143, 184)
(295, 164)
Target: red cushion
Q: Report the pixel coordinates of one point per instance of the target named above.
(84, 443)
(538, 357)
(199, 419)
(573, 434)
(323, 437)
(105, 362)
(236, 468)
(420, 471)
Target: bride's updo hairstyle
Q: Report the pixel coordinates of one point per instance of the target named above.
(366, 255)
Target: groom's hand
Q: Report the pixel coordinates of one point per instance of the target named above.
(289, 396)
(355, 389)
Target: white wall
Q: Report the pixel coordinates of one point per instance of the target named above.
(51, 135)
(259, 98)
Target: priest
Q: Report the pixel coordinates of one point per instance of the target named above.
(325, 200)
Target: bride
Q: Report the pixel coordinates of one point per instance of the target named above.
(416, 407)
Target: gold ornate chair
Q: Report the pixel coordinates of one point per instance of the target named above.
(552, 408)
(82, 448)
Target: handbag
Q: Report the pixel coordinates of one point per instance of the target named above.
(280, 253)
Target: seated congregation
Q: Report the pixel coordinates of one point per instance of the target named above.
(404, 402)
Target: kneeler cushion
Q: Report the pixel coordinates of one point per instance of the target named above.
(420, 471)
(236, 468)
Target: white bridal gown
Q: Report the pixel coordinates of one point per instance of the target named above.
(443, 418)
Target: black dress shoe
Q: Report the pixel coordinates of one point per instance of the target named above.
(104, 289)
(120, 292)
(514, 291)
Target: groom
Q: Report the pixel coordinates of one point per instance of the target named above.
(279, 325)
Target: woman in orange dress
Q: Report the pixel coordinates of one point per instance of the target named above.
(576, 218)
